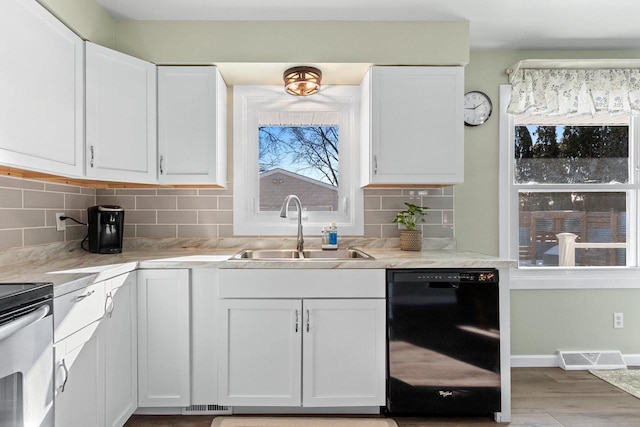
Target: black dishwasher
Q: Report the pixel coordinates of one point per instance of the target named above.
(443, 342)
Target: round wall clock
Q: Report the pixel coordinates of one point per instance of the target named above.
(477, 108)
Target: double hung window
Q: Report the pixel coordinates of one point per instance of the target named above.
(569, 189)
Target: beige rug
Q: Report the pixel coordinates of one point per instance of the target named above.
(625, 379)
(243, 421)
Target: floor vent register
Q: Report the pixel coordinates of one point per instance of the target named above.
(206, 410)
(583, 360)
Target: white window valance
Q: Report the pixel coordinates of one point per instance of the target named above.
(562, 91)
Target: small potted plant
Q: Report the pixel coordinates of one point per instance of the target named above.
(407, 220)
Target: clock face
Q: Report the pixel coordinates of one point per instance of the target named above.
(477, 108)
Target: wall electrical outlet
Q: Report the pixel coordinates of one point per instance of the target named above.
(60, 224)
(618, 320)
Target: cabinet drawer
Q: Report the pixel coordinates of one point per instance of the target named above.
(302, 283)
(74, 311)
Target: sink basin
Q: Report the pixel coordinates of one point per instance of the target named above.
(349, 253)
(262, 254)
(307, 255)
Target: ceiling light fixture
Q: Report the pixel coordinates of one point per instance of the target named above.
(302, 81)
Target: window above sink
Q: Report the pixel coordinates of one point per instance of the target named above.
(267, 161)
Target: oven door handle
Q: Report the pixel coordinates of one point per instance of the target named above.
(22, 322)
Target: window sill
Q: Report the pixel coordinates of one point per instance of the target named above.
(554, 278)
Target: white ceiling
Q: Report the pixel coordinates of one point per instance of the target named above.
(494, 24)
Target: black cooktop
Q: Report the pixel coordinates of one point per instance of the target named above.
(16, 295)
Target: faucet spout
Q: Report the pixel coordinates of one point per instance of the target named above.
(283, 214)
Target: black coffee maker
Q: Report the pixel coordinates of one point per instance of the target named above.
(106, 228)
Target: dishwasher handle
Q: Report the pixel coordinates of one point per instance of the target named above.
(444, 285)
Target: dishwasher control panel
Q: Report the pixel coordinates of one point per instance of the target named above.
(454, 276)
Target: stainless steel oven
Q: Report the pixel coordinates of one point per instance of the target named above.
(26, 355)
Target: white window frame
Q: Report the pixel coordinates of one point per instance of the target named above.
(563, 277)
(248, 101)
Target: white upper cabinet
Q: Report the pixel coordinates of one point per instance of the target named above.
(412, 126)
(120, 116)
(42, 91)
(192, 140)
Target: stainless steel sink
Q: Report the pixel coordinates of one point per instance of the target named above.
(306, 255)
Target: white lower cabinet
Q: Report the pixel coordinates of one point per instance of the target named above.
(344, 352)
(80, 375)
(163, 338)
(96, 362)
(260, 352)
(204, 336)
(121, 351)
(294, 352)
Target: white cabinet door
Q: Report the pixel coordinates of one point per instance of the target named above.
(121, 353)
(413, 127)
(192, 124)
(120, 116)
(260, 352)
(80, 378)
(42, 87)
(344, 352)
(204, 336)
(163, 338)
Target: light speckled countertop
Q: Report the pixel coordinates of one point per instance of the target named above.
(70, 268)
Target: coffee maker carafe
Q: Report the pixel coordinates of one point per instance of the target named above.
(106, 228)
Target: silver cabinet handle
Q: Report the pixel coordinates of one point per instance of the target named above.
(308, 320)
(81, 297)
(109, 307)
(297, 320)
(161, 168)
(92, 156)
(375, 165)
(66, 375)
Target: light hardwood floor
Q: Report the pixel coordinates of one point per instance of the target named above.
(541, 397)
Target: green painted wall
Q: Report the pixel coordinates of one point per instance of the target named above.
(295, 41)
(86, 17)
(546, 321)
(542, 321)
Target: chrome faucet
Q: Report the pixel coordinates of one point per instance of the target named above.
(283, 214)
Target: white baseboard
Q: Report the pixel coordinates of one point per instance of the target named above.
(551, 361)
(631, 359)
